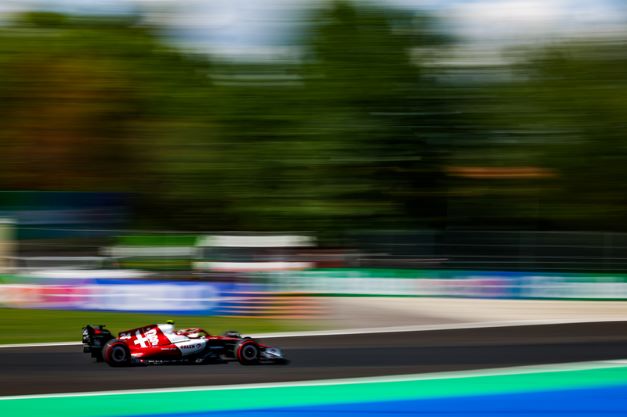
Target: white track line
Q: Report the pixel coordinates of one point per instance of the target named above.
(377, 330)
(516, 370)
(29, 345)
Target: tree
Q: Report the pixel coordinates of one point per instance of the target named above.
(566, 103)
(348, 138)
(97, 104)
(372, 149)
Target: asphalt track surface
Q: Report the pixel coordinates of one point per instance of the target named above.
(39, 370)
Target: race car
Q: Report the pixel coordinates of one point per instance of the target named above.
(162, 344)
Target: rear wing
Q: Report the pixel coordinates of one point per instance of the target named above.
(94, 339)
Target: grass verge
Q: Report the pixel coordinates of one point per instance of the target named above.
(25, 326)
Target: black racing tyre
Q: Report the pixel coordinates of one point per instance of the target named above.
(116, 353)
(247, 352)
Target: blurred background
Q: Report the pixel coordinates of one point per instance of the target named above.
(236, 148)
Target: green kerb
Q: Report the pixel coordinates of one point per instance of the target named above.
(284, 396)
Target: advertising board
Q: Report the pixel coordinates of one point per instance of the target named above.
(131, 296)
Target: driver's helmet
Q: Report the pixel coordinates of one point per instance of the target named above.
(168, 327)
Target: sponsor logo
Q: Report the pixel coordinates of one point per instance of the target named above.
(190, 346)
(150, 336)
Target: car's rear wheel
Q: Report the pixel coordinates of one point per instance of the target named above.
(116, 353)
(247, 352)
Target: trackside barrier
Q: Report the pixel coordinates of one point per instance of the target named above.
(452, 283)
(158, 296)
(288, 295)
(276, 305)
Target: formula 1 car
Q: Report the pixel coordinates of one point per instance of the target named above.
(161, 344)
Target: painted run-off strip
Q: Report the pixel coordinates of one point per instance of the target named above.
(231, 398)
(377, 330)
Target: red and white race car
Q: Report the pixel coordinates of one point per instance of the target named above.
(161, 344)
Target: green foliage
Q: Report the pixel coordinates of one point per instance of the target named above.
(580, 91)
(363, 132)
(23, 325)
(564, 109)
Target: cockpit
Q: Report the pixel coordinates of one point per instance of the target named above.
(193, 333)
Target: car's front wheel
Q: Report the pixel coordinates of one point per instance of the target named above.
(116, 353)
(247, 352)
